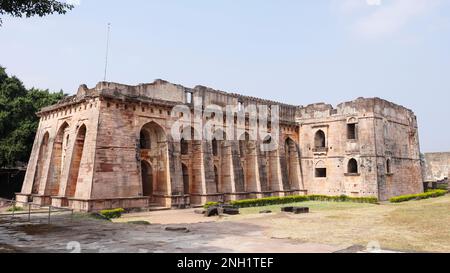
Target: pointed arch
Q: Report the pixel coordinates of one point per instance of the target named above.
(320, 139)
(186, 178)
(147, 178)
(388, 166)
(156, 152)
(59, 154)
(215, 147)
(192, 151)
(352, 166)
(218, 140)
(151, 134)
(42, 158)
(77, 157)
(216, 179)
(184, 146)
(292, 163)
(145, 141)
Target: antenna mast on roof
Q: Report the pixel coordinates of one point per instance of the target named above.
(107, 50)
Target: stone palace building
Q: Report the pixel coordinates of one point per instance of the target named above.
(112, 146)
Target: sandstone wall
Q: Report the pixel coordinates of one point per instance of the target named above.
(112, 146)
(43, 169)
(437, 166)
(386, 134)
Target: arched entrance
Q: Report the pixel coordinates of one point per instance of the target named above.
(222, 156)
(154, 157)
(147, 178)
(58, 157)
(42, 158)
(248, 155)
(185, 172)
(292, 163)
(192, 169)
(216, 178)
(77, 157)
(270, 163)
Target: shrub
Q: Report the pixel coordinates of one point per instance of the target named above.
(420, 196)
(300, 198)
(15, 208)
(210, 204)
(112, 214)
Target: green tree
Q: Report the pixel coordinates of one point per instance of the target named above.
(18, 120)
(29, 8)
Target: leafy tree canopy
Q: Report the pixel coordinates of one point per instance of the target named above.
(18, 120)
(29, 8)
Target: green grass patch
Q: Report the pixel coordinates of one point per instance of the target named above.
(112, 213)
(300, 198)
(420, 196)
(268, 201)
(15, 208)
(211, 204)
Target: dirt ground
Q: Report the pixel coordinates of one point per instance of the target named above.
(418, 226)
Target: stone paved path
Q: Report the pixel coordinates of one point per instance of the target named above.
(92, 235)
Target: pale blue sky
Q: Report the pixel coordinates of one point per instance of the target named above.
(298, 52)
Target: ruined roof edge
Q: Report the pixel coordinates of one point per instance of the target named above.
(85, 92)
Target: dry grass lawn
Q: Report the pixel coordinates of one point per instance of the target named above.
(422, 226)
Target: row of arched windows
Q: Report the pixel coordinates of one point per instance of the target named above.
(320, 138)
(352, 168)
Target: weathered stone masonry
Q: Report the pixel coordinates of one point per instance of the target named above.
(436, 166)
(111, 146)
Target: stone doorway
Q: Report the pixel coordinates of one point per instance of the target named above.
(40, 164)
(76, 162)
(147, 179)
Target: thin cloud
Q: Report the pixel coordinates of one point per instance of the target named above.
(384, 19)
(348, 7)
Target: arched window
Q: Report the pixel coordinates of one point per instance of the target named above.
(320, 170)
(320, 141)
(215, 147)
(216, 178)
(240, 106)
(243, 143)
(351, 131)
(388, 166)
(185, 172)
(352, 167)
(184, 147)
(188, 97)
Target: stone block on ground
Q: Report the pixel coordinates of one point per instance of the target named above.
(212, 211)
(177, 229)
(287, 209)
(300, 210)
(231, 211)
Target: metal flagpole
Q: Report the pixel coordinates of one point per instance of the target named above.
(107, 50)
